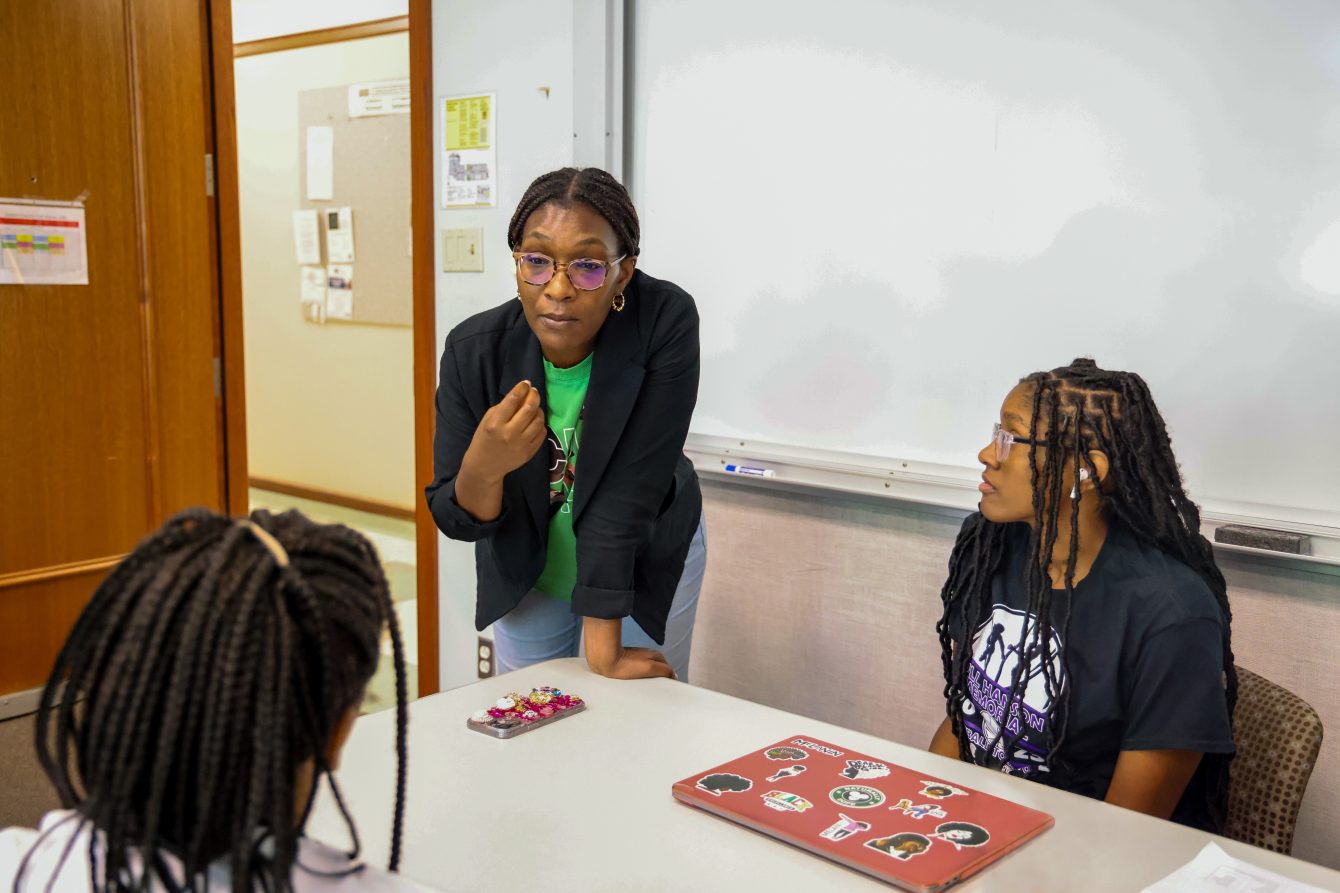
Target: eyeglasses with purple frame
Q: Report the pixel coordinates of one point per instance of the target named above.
(585, 273)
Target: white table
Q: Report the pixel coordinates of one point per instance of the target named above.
(588, 798)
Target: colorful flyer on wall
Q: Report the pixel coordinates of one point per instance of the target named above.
(42, 243)
(470, 151)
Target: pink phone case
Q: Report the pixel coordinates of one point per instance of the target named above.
(515, 714)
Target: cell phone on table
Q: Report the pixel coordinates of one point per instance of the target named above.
(515, 714)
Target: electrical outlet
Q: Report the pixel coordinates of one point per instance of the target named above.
(484, 656)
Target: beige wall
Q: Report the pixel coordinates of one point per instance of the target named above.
(329, 407)
(826, 605)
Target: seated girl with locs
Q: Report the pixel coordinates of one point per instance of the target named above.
(1085, 634)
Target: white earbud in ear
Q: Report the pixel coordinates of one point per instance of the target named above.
(1083, 476)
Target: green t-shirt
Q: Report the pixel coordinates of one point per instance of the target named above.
(566, 389)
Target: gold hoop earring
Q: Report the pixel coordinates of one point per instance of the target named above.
(618, 303)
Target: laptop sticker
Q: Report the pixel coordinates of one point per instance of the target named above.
(962, 834)
(864, 769)
(901, 846)
(786, 773)
(724, 782)
(919, 812)
(938, 790)
(819, 748)
(784, 802)
(856, 795)
(843, 828)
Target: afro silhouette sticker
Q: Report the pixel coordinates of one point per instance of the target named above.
(724, 782)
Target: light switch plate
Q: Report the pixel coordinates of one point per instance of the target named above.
(463, 250)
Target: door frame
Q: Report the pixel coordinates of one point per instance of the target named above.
(231, 364)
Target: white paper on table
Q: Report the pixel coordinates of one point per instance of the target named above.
(340, 235)
(42, 243)
(1215, 871)
(313, 285)
(321, 163)
(306, 237)
(340, 303)
(379, 98)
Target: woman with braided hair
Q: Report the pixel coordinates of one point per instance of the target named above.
(204, 694)
(1086, 628)
(561, 419)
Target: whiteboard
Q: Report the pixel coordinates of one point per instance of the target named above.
(889, 212)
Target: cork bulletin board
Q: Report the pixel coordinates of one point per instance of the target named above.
(372, 177)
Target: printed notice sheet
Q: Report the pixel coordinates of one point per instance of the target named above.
(42, 243)
(470, 151)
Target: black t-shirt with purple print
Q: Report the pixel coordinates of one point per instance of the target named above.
(1145, 668)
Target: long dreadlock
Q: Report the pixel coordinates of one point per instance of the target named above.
(217, 658)
(1081, 408)
(589, 185)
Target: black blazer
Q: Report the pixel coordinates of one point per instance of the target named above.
(637, 501)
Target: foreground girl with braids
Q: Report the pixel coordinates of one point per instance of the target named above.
(561, 418)
(205, 693)
(1085, 634)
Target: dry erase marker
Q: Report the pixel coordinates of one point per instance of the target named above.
(745, 469)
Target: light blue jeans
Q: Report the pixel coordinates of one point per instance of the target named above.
(543, 627)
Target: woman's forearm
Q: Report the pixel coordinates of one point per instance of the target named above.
(478, 493)
(606, 655)
(604, 643)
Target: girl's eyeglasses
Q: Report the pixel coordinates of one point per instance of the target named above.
(1004, 439)
(585, 273)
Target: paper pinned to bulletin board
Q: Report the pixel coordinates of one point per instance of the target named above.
(42, 243)
(470, 151)
(379, 98)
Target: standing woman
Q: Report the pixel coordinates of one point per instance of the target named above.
(561, 419)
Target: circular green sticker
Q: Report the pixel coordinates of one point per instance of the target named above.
(857, 796)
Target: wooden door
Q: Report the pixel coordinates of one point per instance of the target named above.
(110, 393)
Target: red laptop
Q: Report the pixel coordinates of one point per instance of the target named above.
(901, 826)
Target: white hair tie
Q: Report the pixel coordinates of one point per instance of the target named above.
(267, 539)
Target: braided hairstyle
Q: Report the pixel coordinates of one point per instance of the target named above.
(589, 185)
(205, 670)
(1080, 408)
